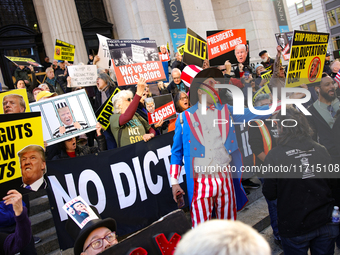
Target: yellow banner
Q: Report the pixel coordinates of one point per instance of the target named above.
(195, 46)
(14, 136)
(14, 101)
(264, 90)
(267, 76)
(106, 112)
(307, 58)
(64, 51)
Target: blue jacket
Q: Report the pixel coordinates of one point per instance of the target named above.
(186, 143)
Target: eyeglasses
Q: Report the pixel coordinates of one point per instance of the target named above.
(182, 98)
(129, 99)
(98, 243)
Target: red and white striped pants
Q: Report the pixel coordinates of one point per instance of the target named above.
(213, 191)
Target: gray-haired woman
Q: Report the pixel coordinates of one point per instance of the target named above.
(127, 126)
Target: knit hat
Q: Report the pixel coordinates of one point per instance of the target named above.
(45, 94)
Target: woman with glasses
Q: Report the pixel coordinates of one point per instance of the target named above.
(182, 103)
(127, 125)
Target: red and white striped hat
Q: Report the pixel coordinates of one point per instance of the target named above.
(189, 73)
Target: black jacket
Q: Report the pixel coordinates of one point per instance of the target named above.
(323, 132)
(303, 204)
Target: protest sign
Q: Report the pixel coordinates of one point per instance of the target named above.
(307, 58)
(103, 52)
(79, 211)
(284, 40)
(163, 54)
(18, 99)
(160, 108)
(221, 46)
(133, 59)
(83, 75)
(105, 111)
(65, 116)
(195, 49)
(161, 237)
(17, 131)
(64, 51)
(180, 49)
(19, 61)
(130, 184)
(266, 76)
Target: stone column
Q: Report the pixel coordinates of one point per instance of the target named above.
(63, 24)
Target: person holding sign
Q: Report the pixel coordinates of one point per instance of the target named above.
(127, 126)
(178, 62)
(66, 118)
(17, 241)
(278, 79)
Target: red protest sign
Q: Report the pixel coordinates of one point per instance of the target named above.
(133, 59)
(164, 112)
(165, 108)
(225, 41)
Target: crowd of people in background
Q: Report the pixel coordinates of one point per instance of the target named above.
(300, 209)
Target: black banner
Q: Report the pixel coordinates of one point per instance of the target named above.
(174, 14)
(130, 184)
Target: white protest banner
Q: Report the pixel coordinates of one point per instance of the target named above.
(103, 52)
(83, 75)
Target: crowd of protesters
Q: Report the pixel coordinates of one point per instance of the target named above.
(300, 209)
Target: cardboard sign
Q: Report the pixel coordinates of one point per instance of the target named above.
(284, 40)
(161, 237)
(19, 96)
(130, 184)
(163, 108)
(65, 116)
(307, 58)
(105, 111)
(103, 52)
(83, 75)
(64, 51)
(222, 44)
(19, 61)
(17, 131)
(133, 59)
(195, 49)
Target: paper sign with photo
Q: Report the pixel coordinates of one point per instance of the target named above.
(83, 75)
(160, 108)
(285, 40)
(79, 211)
(133, 59)
(65, 116)
(163, 54)
(20, 99)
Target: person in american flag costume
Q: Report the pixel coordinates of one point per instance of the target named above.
(69, 125)
(210, 152)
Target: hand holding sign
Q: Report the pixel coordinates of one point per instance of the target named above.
(141, 85)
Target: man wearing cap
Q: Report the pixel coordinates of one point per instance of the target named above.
(66, 118)
(211, 155)
(267, 62)
(33, 167)
(13, 103)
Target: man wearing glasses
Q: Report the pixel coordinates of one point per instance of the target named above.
(96, 236)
